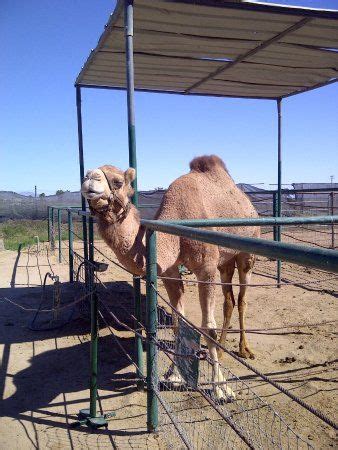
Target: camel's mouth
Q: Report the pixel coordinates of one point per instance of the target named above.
(92, 195)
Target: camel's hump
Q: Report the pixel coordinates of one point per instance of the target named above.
(207, 163)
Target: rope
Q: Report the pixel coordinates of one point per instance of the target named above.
(79, 237)
(124, 325)
(270, 285)
(6, 299)
(317, 231)
(257, 330)
(298, 400)
(303, 240)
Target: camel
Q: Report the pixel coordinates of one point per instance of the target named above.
(207, 191)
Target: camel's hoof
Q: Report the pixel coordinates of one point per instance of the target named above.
(175, 379)
(246, 353)
(224, 395)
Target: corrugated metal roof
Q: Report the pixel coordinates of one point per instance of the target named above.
(239, 49)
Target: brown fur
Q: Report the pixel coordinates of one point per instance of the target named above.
(207, 164)
(207, 191)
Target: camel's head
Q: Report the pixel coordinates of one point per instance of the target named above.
(108, 186)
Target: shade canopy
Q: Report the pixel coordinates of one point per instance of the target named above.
(236, 49)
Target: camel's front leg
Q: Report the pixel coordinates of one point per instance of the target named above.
(175, 290)
(227, 273)
(245, 265)
(207, 301)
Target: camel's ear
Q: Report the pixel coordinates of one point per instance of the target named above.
(129, 175)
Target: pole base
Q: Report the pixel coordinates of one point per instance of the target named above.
(141, 385)
(84, 419)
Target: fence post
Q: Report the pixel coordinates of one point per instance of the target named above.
(59, 234)
(138, 329)
(93, 324)
(152, 376)
(70, 246)
(48, 222)
(277, 234)
(332, 226)
(89, 416)
(52, 241)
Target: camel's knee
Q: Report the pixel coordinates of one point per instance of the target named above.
(213, 334)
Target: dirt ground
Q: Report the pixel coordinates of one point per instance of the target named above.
(44, 374)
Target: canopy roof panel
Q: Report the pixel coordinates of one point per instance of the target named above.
(237, 49)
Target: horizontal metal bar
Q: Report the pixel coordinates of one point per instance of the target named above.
(149, 206)
(294, 191)
(310, 88)
(84, 213)
(63, 207)
(161, 91)
(253, 222)
(305, 256)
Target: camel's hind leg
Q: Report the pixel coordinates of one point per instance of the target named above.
(226, 272)
(175, 291)
(245, 263)
(207, 301)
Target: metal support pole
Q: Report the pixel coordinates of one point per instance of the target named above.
(89, 416)
(129, 36)
(274, 212)
(279, 182)
(48, 222)
(70, 247)
(94, 324)
(332, 226)
(59, 235)
(152, 376)
(138, 329)
(129, 44)
(81, 162)
(52, 242)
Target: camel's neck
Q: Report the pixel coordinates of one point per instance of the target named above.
(125, 239)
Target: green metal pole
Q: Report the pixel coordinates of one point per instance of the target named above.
(48, 222)
(138, 329)
(332, 226)
(279, 181)
(81, 162)
(94, 325)
(129, 36)
(129, 45)
(70, 246)
(152, 376)
(274, 212)
(52, 242)
(59, 235)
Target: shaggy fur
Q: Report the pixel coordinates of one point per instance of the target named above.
(207, 164)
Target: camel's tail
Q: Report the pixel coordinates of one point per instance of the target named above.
(207, 163)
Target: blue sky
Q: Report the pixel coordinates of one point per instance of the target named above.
(44, 44)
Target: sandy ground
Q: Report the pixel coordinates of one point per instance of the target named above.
(44, 374)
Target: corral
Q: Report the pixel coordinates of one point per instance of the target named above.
(188, 414)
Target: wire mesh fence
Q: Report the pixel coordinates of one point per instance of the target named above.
(193, 412)
(195, 409)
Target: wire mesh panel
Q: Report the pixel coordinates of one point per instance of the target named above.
(198, 416)
(311, 235)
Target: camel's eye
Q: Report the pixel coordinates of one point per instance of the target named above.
(118, 184)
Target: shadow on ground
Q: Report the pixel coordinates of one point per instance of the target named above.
(67, 369)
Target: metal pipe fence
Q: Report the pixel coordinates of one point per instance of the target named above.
(187, 411)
